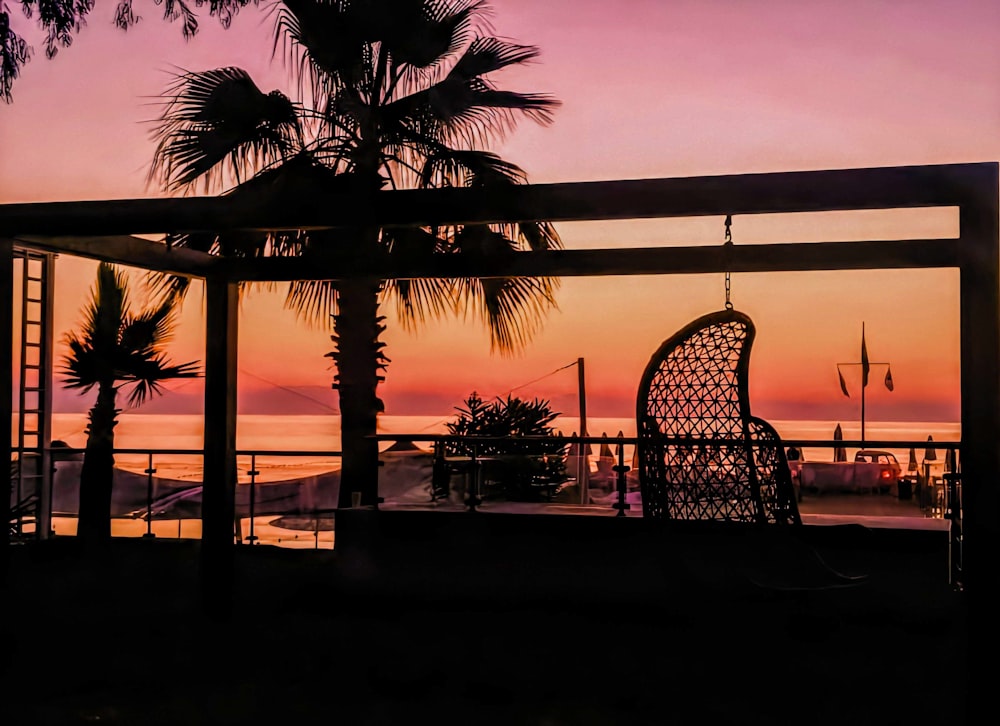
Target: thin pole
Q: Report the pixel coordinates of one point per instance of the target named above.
(583, 462)
(863, 386)
(150, 470)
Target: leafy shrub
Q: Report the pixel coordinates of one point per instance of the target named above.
(513, 463)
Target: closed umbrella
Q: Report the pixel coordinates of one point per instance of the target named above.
(911, 464)
(930, 453)
(619, 445)
(605, 447)
(927, 488)
(605, 459)
(576, 461)
(839, 452)
(951, 461)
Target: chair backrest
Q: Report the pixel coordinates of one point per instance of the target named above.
(701, 454)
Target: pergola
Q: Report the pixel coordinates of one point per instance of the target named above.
(104, 230)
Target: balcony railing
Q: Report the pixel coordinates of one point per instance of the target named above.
(308, 502)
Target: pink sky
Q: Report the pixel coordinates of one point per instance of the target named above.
(649, 89)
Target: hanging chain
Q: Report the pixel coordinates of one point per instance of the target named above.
(727, 247)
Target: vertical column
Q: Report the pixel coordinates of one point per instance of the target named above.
(219, 485)
(583, 463)
(6, 374)
(46, 376)
(979, 218)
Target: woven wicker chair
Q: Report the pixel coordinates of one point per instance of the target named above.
(702, 455)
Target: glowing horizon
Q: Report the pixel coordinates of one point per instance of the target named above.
(649, 90)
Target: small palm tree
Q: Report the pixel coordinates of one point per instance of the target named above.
(397, 93)
(114, 349)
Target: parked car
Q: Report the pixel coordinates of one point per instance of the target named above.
(890, 470)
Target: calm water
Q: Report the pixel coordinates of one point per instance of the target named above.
(322, 433)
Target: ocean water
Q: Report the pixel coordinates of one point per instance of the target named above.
(321, 433)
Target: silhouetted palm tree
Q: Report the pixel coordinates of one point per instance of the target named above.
(397, 93)
(114, 349)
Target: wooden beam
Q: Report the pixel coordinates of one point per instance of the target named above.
(787, 192)
(804, 191)
(6, 374)
(901, 254)
(127, 250)
(219, 478)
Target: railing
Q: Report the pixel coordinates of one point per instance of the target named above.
(181, 495)
(940, 497)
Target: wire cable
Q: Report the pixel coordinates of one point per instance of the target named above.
(291, 390)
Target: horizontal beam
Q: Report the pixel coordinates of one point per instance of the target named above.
(127, 250)
(786, 192)
(627, 261)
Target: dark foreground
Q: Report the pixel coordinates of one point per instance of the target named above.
(500, 619)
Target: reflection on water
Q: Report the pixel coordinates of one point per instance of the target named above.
(263, 530)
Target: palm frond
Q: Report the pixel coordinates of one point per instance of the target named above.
(150, 328)
(512, 308)
(467, 111)
(80, 367)
(417, 299)
(146, 373)
(333, 47)
(117, 347)
(106, 310)
(218, 122)
(424, 34)
(539, 235)
(313, 301)
(487, 55)
(468, 168)
(14, 53)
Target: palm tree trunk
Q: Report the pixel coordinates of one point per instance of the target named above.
(358, 356)
(97, 474)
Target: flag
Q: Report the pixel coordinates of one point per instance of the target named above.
(865, 367)
(843, 383)
(888, 378)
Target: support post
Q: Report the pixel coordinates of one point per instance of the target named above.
(979, 299)
(864, 383)
(6, 374)
(980, 387)
(46, 381)
(584, 462)
(218, 512)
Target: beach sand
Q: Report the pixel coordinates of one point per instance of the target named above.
(439, 618)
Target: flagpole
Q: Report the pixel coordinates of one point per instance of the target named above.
(866, 365)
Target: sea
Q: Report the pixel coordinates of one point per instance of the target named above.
(297, 445)
(282, 448)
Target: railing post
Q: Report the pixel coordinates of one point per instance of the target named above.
(150, 470)
(953, 512)
(440, 478)
(251, 538)
(621, 505)
(473, 500)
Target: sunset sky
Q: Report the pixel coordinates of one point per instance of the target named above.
(650, 88)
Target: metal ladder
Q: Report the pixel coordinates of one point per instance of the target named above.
(32, 482)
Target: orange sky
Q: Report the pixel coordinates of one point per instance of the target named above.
(649, 89)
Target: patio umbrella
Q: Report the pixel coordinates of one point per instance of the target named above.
(911, 464)
(839, 452)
